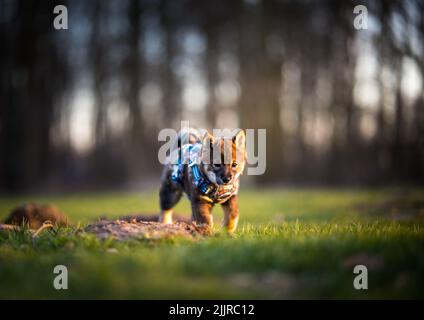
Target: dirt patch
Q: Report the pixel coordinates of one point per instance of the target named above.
(152, 217)
(123, 230)
(38, 217)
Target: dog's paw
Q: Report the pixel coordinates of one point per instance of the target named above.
(166, 217)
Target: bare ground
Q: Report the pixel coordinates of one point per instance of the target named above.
(123, 230)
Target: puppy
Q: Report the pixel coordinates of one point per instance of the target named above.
(207, 169)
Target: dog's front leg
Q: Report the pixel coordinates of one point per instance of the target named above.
(231, 214)
(201, 213)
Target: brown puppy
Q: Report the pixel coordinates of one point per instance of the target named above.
(208, 171)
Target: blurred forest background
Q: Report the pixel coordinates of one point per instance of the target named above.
(81, 108)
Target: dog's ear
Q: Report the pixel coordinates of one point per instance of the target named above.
(208, 138)
(239, 139)
(208, 141)
(239, 144)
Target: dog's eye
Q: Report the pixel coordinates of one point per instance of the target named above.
(235, 164)
(217, 165)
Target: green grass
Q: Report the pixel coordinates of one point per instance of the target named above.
(290, 244)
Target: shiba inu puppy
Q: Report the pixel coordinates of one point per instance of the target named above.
(207, 169)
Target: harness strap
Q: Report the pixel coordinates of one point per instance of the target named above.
(208, 189)
(202, 183)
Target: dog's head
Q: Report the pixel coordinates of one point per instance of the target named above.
(223, 157)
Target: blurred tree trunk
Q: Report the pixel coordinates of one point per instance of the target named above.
(344, 139)
(249, 59)
(416, 162)
(134, 71)
(398, 153)
(381, 137)
(97, 52)
(212, 73)
(417, 167)
(259, 106)
(171, 97)
(33, 76)
(306, 88)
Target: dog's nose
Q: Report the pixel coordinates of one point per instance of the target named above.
(226, 179)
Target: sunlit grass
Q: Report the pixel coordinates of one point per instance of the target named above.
(290, 244)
